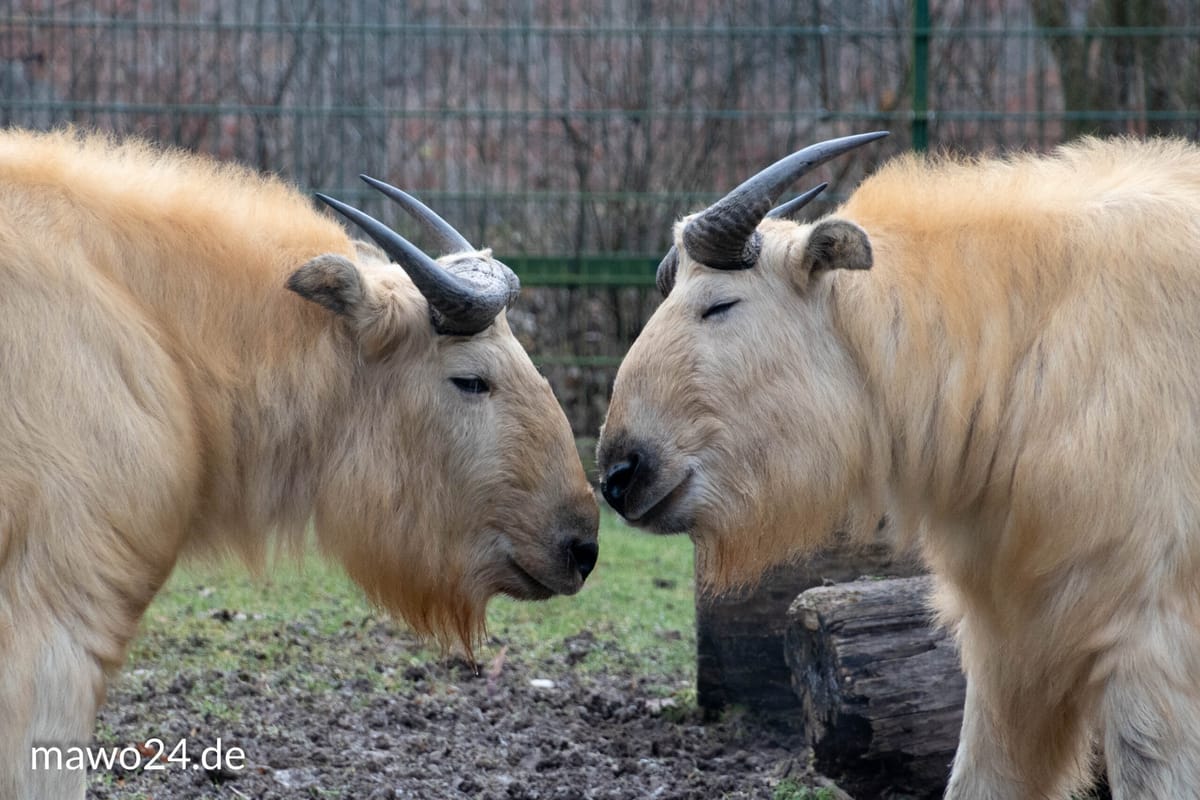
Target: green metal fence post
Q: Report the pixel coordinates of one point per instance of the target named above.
(920, 74)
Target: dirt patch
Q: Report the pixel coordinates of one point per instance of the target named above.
(376, 722)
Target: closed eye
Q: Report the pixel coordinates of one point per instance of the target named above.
(471, 385)
(719, 308)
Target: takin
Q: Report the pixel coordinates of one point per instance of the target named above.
(1003, 356)
(192, 359)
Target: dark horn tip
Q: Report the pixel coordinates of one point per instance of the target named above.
(446, 237)
(385, 188)
(337, 205)
(844, 144)
(791, 207)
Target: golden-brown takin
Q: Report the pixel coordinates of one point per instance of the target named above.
(163, 392)
(1004, 356)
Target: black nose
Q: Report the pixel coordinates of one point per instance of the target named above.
(583, 556)
(619, 480)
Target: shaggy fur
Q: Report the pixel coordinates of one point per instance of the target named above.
(1015, 382)
(162, 392)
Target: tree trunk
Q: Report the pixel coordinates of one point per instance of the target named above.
(1114, 72)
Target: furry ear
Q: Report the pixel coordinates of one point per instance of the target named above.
(331, 281)
(836, 244)
(378, 312)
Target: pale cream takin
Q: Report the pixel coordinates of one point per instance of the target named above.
(192, 359)
(1003, 356)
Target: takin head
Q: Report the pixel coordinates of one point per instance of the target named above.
(459, 477)
(738, 416)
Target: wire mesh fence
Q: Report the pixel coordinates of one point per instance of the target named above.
(569, 134)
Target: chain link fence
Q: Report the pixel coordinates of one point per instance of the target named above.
(568, 135)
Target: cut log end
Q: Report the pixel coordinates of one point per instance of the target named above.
(880, 688)
(740, 637)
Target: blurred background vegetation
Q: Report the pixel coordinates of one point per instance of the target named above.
(569, 134)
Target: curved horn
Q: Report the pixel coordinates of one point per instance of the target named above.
(448, 240)
(788, 210)
(724, 235)
(665, 276)
(458, 306)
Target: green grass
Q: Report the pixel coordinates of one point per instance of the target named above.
(640, 598)
(637, 606)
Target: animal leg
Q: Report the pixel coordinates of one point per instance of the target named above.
(1151, 716)
(49, 693)
(1043, 752)
(982, 768)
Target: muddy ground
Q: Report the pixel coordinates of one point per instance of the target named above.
(436, 728)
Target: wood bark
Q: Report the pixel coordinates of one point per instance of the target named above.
(881, 690)
(740, 658)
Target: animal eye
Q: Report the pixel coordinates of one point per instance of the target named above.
(471, 385)
(719, 308)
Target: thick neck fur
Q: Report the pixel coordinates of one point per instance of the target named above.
(1011, 314)
(941, 340)
(199, 253)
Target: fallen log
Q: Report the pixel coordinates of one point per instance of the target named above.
(881, 690)
(739, 644)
